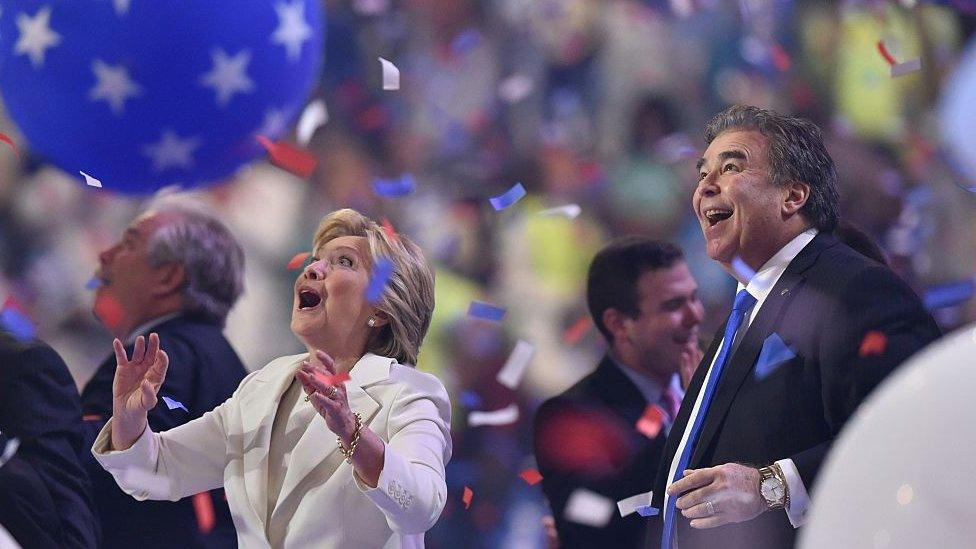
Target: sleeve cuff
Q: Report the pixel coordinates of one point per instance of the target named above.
(799, 498)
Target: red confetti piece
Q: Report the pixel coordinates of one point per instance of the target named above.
(388, 229)
(203, 507)
(298, 260)
(108, 310)
(651, 422)
(91, 417)
(574, 333)
(781, 59)
(466, 498)
(531, 476)
(289, 157)
(331, 380)
(884, 53)
(874, 343)
(6, 139)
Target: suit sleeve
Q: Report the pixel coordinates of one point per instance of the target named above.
(40, 406)
(412, 490)
(875, 301)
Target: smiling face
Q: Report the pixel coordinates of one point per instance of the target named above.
(741, 212)
(330, 310)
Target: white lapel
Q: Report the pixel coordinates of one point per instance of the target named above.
(317, 450)
(258, 408)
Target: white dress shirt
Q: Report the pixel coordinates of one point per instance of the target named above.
(759, 287)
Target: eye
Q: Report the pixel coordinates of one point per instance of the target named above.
(702, 176)
(729, 167)
(344, 261)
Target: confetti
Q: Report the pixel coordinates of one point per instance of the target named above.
(330, 380)
(391, 75)
(511, 196)
(289, 157)
(108, 310)
(569, 211)
(899, 69)
(675, 147)
(298, 260)
(370, 7)
(874, 343)
(315, 115)
(393, 188)
(511, 373)
(470, 399)
(6, 139)
(588, 508)
(173, 404)
(515, 88)
(91, 417)
(93, 283)
(883, 50)
(948, 295)
(487, 311)
(531, 476)
(9, 450)
(388, 229)
(204, 510)
(628, 506)
(505, 416)
(647, 511)
(742, 271)
(91, 181)
(465, 42)
(382, 271)
(466, 498)
(651, 422)
(15, 320)
(575, 333)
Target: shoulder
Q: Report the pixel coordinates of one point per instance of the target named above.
(585, 392)
(850, 275)
(34, 356)
(412, 381)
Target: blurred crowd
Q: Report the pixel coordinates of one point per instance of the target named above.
(598, 103)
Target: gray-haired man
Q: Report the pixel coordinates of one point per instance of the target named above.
(176, 271)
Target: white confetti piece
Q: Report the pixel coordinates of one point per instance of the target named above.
(515, 88)
(391, 75)
(629, 505)
(9, 450)
(315, 115)
(511, 374)
(569, 210)
(505, 416)
(908, 67)
(588, 508)
(91, 181)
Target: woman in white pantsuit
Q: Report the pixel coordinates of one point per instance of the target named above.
(309, 458)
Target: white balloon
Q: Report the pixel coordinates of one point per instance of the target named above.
(901, 474)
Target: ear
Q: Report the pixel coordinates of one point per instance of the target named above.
(382, 319)
(797, 194)
(168, 278)
(615, 321)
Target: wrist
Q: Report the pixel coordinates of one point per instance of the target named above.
(773, 488)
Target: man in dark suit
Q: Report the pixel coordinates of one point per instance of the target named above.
(605, 434)
(177, 271)
(45, 496)
(815, 327)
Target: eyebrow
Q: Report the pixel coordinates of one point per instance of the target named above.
(724, 155)
(132, 232)
(341, 247)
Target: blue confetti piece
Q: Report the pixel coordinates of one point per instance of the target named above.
(486, 311)
(510, 197)
(174, 404)
(744, 272)
(470, 399)
(947, 295)
(382, 271)
(647, 511)
(394, 188)
(93, 283)
(19, 326)
(465, 42)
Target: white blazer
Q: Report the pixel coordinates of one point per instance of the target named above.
(329, 504)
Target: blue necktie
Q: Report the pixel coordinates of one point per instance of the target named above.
(743, 302)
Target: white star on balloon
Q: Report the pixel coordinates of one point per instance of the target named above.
(274, 124)
(228, 75)
(172, 152)
(36, 35)
(114, 85)
(292, 29)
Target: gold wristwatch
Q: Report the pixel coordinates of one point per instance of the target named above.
(773, 488)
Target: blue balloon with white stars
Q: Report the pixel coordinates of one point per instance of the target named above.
(141, 94)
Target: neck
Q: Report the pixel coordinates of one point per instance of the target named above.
(345, 357)
(123, 330)
(663, 379)
(763, 254)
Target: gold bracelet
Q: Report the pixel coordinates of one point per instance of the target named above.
(355, 440)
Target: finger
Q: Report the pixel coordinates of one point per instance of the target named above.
(326, 361)
(323, 404)
(158, 372)
(139, 350)
(700, 510)
(148, 395)
(710, 522)
(120, 356)
(153, 346)
(691, 480)
(696, 497)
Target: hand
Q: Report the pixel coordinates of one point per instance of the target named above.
(134, 389)
(329, 400)
(732, 488)
(691, 357)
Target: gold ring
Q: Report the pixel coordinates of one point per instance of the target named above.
(333, 392)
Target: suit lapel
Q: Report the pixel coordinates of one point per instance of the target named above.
(744, 357)
(618, 392)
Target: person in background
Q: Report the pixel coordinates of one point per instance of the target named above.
(644, 301)
(177, 271)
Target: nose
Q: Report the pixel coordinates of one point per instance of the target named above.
(694, 313)
(106, 256)
(315, 270)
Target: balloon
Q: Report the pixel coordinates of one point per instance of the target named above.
(141, 94)
(957, 111)
(901, 473)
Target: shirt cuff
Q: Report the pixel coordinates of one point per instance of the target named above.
(799, 498)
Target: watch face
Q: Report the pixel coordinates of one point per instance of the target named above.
(772, 489)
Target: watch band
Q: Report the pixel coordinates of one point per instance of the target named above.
(774, 471)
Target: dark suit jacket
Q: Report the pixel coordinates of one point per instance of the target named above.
(45, 496)
(822, 307)
(203, 371)
(587, 438)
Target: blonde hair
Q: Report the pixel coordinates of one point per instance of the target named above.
(407, 299)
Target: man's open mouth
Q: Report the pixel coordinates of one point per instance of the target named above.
(308, 299)
(714, 216)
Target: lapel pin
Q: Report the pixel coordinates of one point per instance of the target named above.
(785, 291)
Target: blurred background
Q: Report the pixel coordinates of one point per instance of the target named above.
(598, 103)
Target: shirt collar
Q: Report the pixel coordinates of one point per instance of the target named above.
(649, 389)
(766, 277)
(143, 328)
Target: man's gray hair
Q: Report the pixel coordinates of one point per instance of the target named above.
(796, 152)
(211, 257)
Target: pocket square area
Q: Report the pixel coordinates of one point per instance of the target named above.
(775, 352)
